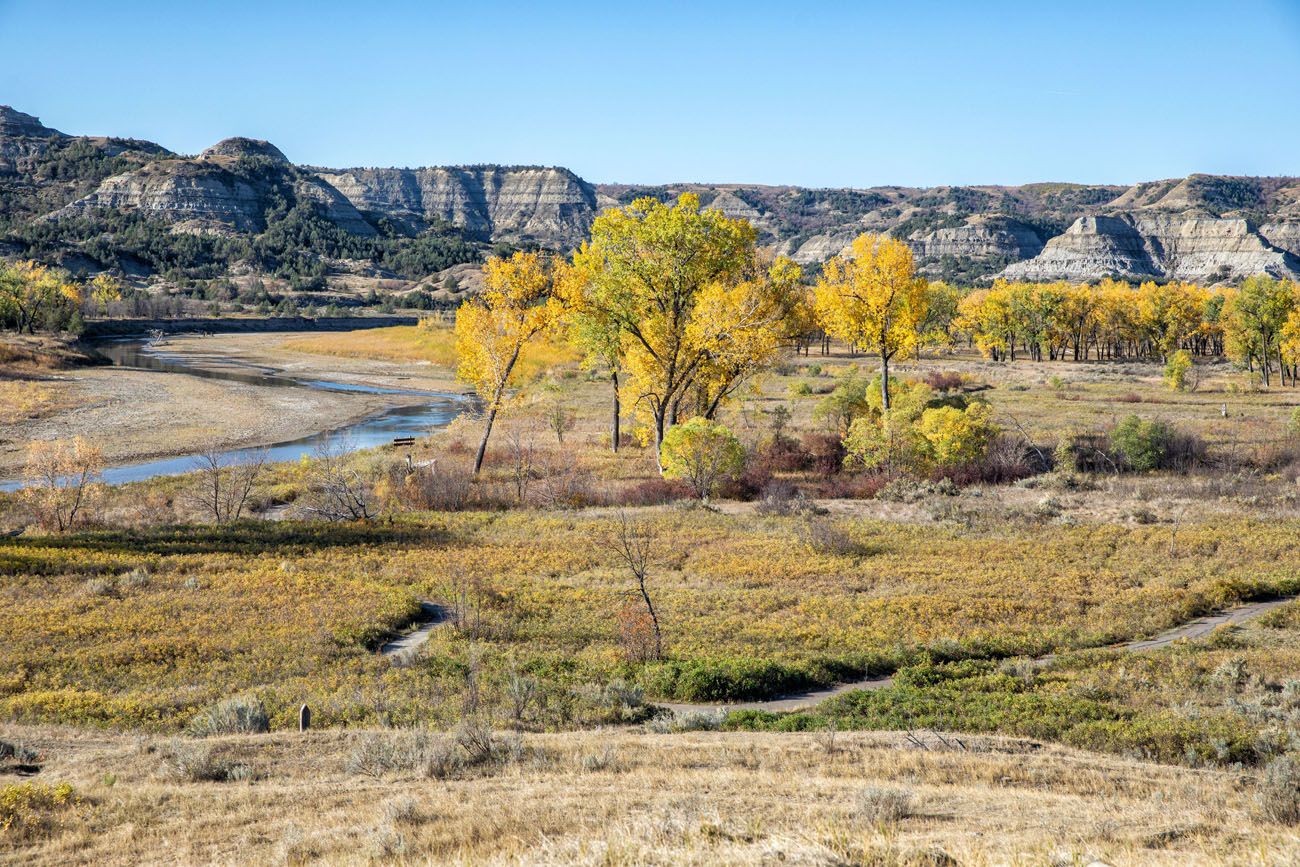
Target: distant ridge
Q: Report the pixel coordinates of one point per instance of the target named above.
(1204, 227)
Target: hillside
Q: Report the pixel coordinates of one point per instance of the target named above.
(1200, 228)
(241, 209)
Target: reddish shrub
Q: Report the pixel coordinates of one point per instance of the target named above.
(852, 486)
(636, 633)
(944, 380)
(781, 455)
(825, 453)
(653, 492)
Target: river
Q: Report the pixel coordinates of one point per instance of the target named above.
(373, 430)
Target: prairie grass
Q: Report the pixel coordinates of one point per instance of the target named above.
(623, 797)
(286, 613)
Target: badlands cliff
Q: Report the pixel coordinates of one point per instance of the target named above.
(1203, 227)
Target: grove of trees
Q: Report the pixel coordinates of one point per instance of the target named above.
(682, 308)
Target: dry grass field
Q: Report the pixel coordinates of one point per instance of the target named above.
(624, 797)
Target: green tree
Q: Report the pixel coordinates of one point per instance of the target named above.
(702, 453)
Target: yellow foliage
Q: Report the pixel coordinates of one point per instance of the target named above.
(873, 300)
(680, 299)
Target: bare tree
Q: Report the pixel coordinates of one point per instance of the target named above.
(636, 545)
(521, 464)
(560, 417)
(339, 491)
(224, 484)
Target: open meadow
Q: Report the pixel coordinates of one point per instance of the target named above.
(801, 611)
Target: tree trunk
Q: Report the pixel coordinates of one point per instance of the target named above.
(884, 380)
(659, 439)
(654, 620)
(614, 429)
(482, 446)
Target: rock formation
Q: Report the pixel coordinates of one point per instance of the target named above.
(1164, 246)
(1202, 227)
(551, 206)
(981, 237)
(229, 187)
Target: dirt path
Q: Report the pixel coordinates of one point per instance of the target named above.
(1198, 628)
(431, 617)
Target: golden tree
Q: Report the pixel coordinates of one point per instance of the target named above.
(593, 327)
(105, 289)
(29, 292)
(492, 329)
(1254, 317)
(873, 300)
(683, 297)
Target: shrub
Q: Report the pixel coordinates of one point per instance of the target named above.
(781, 497)
(446, 486)
(688, 721)
(234, 716)
(192, 762)
(737, 678)
(28, 810)
(884, 806)
(654, 492)
(944, 380)
(1179, 370)
(1144, 444)
(847, 401)
(18, 752)
(1279, 791)
(701, 453)
(957, 438)
(823, 536)
(380, 753)
(825, 453)
(1293, 423)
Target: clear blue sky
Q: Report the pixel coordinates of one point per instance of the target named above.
(830, 94)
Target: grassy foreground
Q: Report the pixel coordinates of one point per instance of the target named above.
(623, 797)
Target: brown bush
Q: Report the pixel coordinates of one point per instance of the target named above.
(944, 380)
(652, 492)
(636, 633)
(825, 453)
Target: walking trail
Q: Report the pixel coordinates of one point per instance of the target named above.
(433, 616)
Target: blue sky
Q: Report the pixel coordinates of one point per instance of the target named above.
(816, 94)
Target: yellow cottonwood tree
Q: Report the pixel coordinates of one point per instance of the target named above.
(492, 329)
(30, 292)
(690, 305)
(593, 327)
(874, 300)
